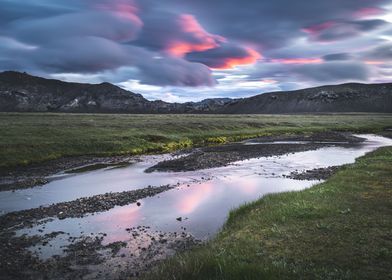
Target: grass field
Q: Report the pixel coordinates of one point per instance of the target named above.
(340, 229)
(34, 137)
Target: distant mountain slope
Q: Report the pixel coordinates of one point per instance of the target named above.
(20, 92)
(339, 98)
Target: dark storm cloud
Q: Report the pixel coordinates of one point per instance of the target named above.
(382, 52)
(337, 56)
(177, 72)
(268, 23)
(88, 39)
(332, 72)
(97, 24)
(176, 42)
(327, 72)
(14, 10)
(225, 56)
(337, 30)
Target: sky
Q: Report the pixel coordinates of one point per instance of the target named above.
(182, 50)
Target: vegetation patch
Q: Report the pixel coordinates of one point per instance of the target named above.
(27, 138)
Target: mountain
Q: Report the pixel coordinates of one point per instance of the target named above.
(20, 92)
(352, 97)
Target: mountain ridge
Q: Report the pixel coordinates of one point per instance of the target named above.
(21, 92)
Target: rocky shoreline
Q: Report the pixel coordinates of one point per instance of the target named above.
(88, 256)
(314, 174)
(23, 177)
(79, 207)
(218, 156)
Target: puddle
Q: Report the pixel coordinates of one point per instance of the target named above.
(203, 206)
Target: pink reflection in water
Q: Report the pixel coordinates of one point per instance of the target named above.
(123, 216)
(190, 201)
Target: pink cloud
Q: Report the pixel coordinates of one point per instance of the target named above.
(203, 40)
(231, 62)
(368, 12)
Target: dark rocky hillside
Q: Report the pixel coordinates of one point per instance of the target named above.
(20, 92)
(340, 98)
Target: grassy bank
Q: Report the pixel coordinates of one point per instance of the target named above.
(340, 229)
(33, 137)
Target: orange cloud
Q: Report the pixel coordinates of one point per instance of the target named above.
(180, 49)
(232, 62)
(298, 60)
(202, 40)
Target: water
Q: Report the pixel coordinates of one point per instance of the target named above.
(202, 205)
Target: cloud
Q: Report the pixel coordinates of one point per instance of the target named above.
(382, 52)
(297, 60)
(332, 72)
(271, 24)
(107, 25)
(176, 34)
(311, 74)
(175, 71)
(226, 56)
(367, 12)
(337, 57)
(339, 30)
(201, 40)
(91, 55)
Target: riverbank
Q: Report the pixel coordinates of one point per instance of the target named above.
(34, 146)
(190, 159)
(339, 229)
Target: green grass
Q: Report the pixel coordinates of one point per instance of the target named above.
(340, 229)
(34, 137)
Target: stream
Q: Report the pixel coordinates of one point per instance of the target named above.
(196, 207)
